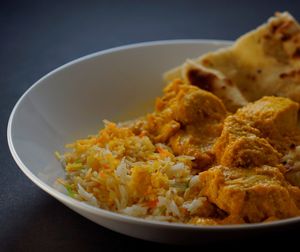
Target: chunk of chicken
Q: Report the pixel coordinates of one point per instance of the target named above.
(276, 118)
(259, 133)
(240, 145)
(250, 195)
(190, 105)
(188, 119)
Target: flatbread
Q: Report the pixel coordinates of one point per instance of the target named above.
(265, 61)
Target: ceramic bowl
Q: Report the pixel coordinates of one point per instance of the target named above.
(71, 102)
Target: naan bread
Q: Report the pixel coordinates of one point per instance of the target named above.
(265, 61)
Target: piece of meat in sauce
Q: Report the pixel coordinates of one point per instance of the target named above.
(259, 133)
(277, 120)
(250, 195)
(188, 119)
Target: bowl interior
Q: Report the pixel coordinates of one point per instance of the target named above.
(71, 102)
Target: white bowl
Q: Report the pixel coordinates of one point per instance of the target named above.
(71, 102)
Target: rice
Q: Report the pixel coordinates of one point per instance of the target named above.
(122, 172)
(88, 197)
(135, 210)
(194, 205)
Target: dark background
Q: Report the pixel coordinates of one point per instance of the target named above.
(37, 37)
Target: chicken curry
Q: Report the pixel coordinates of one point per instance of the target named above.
(235, 112)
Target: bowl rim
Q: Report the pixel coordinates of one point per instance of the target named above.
(109, 214)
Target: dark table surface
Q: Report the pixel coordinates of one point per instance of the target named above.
(38, 36)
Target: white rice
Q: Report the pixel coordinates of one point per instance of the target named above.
(194, 205)
(88, 197)
(135, 210)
